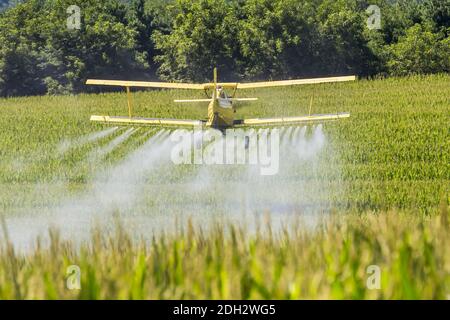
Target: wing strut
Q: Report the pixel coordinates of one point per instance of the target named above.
(130, 105)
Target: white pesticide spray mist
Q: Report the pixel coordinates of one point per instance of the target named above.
(66, 145)
(147, 191)
(98, 154)
(235, 191)
(111, 191)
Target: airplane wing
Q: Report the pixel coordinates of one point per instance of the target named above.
(283, 83)
(147, 121)
(227, 85)
(291, 120)
(144, 84)
(161, 85)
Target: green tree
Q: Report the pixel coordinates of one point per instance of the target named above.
(344, 46)
(245, 39)
(265, 39)
(276, 38)
(439, 13)
(41, 55)
(420, 51)
(18, 58)
(203, 36)
(145, 17)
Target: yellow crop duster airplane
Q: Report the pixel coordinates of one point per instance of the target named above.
(221, 110)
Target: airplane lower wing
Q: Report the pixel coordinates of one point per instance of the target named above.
(193, 123)
(148, 121)
(291, 120)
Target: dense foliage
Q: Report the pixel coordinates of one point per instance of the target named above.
(183, 39)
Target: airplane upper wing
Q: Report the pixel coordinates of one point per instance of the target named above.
(268, 84)
(144, 84)
(229, 85)
(162, 85)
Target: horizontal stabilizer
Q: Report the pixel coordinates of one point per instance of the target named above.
(193, 100)
(243, 99)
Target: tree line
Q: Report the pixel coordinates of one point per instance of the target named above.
(182, 40)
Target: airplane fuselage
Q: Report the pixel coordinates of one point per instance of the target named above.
(220, 111)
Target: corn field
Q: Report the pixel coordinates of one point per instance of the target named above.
(373, 202)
